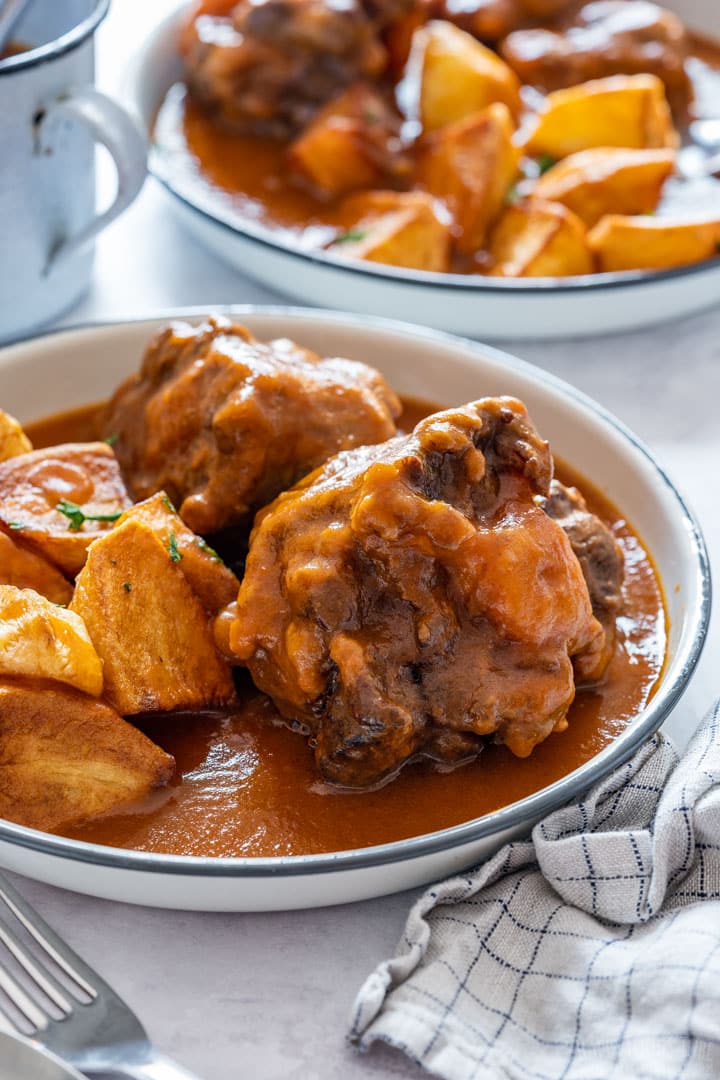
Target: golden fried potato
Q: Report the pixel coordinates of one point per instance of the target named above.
(470, 165)
(13, 440)
(534, 238)
(450, 75)
(148, 625)
(351, 143)
(40, 640)
(623, 110)
(399, 228)
(213, 583)
(84, 478)
(652, 243)
(608, 180)
(25, 569)
(65, 758)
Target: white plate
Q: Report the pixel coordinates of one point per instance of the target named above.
(74, 367)
(477, 306)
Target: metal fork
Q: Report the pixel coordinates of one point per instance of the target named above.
(48, 993)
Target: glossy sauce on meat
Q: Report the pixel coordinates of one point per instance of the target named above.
(244, 178)
(246, 786)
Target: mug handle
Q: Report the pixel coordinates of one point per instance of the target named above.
(112, 126)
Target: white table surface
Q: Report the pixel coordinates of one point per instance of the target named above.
(267, 996)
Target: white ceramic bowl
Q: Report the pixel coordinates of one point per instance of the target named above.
(77, 366)
(477, 306)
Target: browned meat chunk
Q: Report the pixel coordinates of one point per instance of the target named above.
(58, 500)
(608, 37)
(223, 423)
(414, 598)
(491, 20)
(271, 64)
(597, 551)
(65, 758)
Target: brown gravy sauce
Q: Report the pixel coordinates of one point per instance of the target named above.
(245, 179)
(246, 785)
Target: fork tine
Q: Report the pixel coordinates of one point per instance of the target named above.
(39, 977)
(66, 959)
(22, 1001)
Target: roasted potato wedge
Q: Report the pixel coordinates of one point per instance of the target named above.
(13, 440)
(65, 758)
(83, 475)
(623, 110)
(652, 243)
(40, 640)
(352, 143)
(213, 583)
(397, 228)
(450, 75)
(470, 165)
(609, 180)
(25, 569)
(148, 625)
(534, 238)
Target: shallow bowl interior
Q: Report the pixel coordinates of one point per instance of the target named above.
(75, 367)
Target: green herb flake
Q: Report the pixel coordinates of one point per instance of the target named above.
(127, 586)
(112, 438)
(77, 516)
(175, 555)
(61, 605)
(350, 237)
(371, 117)
(16, 524)
(545, 162)
(167, 503)
(512, 195)
(206, 549)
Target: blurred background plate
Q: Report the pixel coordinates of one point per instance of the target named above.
(472, 305)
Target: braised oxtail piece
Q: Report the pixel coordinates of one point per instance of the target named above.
(414, 598)
(222, 423)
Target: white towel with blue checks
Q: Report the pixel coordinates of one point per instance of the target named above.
(590, 951)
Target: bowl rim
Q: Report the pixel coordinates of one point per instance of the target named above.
(256, 233)
(51, 50)
(510, 817)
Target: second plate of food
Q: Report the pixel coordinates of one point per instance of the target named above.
(506, 175)
(434, 642)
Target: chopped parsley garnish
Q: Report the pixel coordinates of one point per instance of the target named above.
(350, 237)
(16, 524)
(167, 503)
(77, 516)
(112, 439)
(205, 547)
(370, 117)
(512, 195)
(173, 548)
(127, 586)
(545, 162)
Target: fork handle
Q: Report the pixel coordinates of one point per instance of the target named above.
(159, 1068)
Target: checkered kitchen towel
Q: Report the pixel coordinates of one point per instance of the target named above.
(590, 951)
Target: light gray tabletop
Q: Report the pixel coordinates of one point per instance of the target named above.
(267, 996)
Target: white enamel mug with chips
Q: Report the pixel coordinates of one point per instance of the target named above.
(51, 118)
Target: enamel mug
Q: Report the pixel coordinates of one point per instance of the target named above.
(51, 118)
